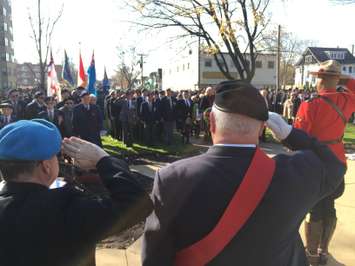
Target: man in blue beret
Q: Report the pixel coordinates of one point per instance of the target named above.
(43, 227)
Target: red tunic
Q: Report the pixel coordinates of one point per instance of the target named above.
(320, 120)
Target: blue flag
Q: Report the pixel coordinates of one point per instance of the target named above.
(66, 70)
(106, 82)
(92, 76)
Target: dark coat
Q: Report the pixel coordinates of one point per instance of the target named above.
(4, 123)
(45, 115)
(87, 123)
(19, 109)
(62, 226)
(167, 111)
(148, 114)
(128, 115)
(67, 127)
(191, 195)
(33, 109)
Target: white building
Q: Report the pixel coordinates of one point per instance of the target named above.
(313, 56)
(187, 69)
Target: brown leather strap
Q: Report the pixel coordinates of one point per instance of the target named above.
(331, 142)
(335, 107)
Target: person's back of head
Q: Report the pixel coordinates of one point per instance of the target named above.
(238, 114)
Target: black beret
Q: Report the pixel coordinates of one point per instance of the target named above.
(242, 98)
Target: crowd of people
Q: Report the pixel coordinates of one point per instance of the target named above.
(218, 208)
(135, 116)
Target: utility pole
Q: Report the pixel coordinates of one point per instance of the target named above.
(278, 67)
(142, 68)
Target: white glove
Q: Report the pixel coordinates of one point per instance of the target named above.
(280, 129)
(86, 155)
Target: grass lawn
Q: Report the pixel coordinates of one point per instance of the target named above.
(349, 137)
(117, 148)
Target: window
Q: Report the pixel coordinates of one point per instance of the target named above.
(208, 63)
(5, 26)
(308, 59)
(344, 69)
(271, 64)
(6, 41)
(188, 65)
(336, 55)
(350, 69)
(7, 57)
(259, 64)
(4, 11)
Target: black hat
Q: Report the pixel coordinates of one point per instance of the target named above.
(6, 105)
(241, 98)
(84, 93)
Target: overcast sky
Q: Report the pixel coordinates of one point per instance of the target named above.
(102, 26)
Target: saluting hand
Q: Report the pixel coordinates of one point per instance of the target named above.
(86, 155)
(280, 129)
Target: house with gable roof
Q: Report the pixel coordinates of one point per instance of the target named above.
(313, 56)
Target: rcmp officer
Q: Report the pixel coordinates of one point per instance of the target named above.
(233, 204)
(325, 117)
(60, 227)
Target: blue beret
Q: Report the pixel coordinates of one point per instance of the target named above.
(34, 140)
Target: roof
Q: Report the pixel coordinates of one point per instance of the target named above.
(320, 55)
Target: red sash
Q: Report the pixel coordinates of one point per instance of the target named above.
(244, 202)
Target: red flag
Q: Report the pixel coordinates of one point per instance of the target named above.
(82, 78)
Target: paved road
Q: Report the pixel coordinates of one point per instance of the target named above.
(342, 246)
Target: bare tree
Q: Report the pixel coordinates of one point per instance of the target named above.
(291, 50)
(42, 33)
(128, 72)
(229, 29)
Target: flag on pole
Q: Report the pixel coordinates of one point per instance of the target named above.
(53, 84)
(82, 78)
(66, 70)
(92, 76)
(105, 82)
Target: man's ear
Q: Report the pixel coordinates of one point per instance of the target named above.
(46, 168)
(212, 118)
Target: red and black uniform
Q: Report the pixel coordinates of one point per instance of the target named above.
(325, 117)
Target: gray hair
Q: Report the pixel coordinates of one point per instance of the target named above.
(235, 123)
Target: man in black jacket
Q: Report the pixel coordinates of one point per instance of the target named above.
(87, 120)
(18, 105)
(191, 196)
(36, 106)
(167, 112)
(59, 227)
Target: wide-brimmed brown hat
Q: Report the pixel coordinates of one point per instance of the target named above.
(329, 68)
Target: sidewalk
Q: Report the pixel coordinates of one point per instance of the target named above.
(342, 246)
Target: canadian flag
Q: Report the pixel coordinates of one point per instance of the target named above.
(82, 78)
(53, 84)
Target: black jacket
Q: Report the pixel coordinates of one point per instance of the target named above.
(191, 195)
(41, 227)
(45, 115)
(167, 110)
(87, 123)
(33, 109)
